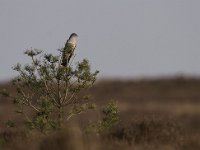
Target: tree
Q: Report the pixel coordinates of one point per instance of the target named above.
(50, 90)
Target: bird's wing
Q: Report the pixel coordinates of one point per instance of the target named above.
(67, 53)
(69, 47)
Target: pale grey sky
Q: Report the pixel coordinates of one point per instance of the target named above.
(129, 38)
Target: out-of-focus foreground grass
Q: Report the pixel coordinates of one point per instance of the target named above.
(154, 114)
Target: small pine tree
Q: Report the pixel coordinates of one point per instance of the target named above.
(51, 90)
(110, 117)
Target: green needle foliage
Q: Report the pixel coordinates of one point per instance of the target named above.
(110, 117)
(50, 90)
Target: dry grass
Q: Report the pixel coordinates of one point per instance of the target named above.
(155, 114)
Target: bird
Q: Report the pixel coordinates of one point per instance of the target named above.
(69, 48)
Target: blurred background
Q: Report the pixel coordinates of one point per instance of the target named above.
(132, 38)
(147, 52)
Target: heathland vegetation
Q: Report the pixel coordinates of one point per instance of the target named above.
(154, 114)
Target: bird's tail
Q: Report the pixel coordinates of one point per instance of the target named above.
(64, 58)
(64, 62)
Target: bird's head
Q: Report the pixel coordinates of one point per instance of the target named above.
(73, 35)
(72, 39)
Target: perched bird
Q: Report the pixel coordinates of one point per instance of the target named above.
(68, 50)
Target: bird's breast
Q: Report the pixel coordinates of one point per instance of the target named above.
(72, 45)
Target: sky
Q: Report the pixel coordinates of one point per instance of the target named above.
(122, 39)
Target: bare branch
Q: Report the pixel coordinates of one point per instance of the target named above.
(26, 98)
